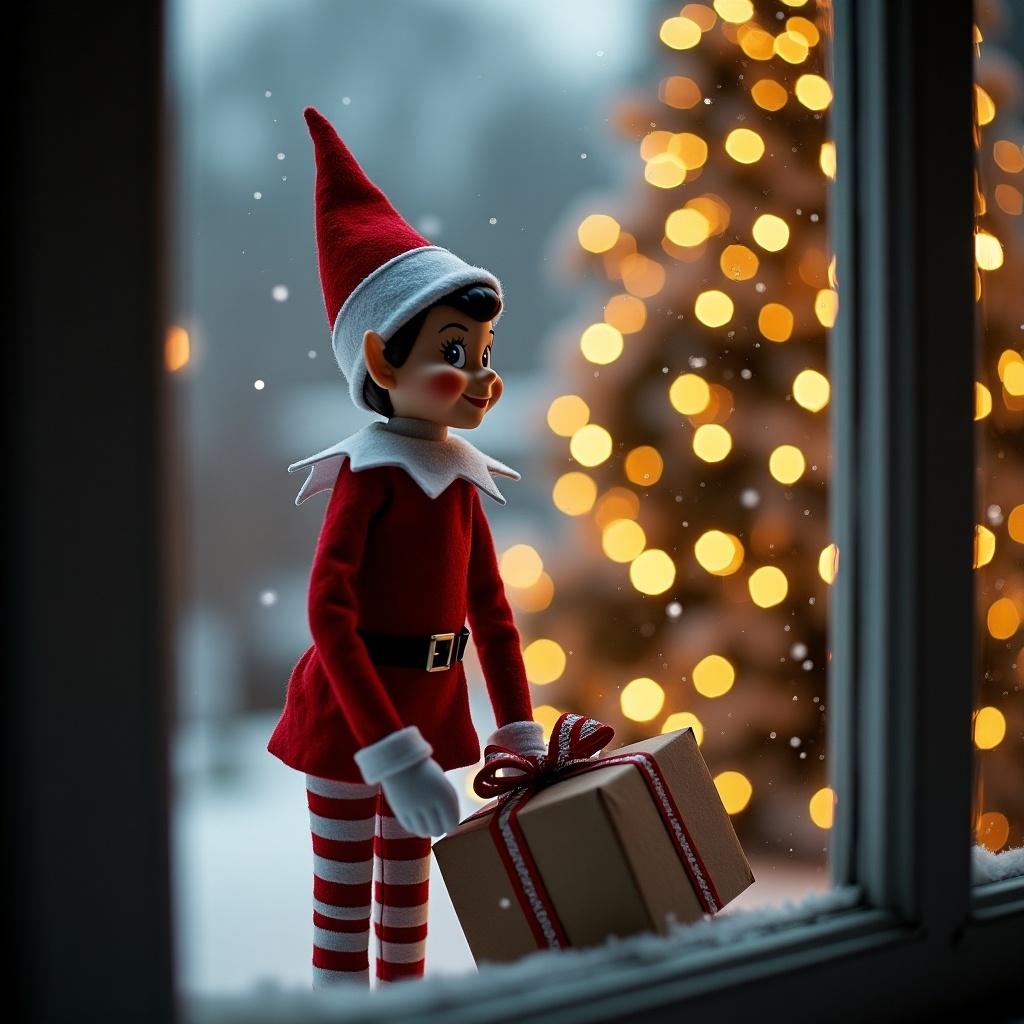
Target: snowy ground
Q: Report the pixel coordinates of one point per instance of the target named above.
(243, 870)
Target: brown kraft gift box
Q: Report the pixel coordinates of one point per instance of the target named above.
(603, 853)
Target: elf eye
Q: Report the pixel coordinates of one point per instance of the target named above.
(485, 358)
(455, 353)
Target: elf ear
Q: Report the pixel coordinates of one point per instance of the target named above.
(379, 369)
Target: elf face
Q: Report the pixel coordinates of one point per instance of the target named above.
(447, 377)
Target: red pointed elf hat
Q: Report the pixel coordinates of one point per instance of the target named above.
(377, 272)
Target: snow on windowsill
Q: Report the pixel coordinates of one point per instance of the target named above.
(270, 1004)
(994, 867)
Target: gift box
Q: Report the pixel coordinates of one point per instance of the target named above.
(579, 848)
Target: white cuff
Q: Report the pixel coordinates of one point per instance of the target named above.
(522, 737)
(396, 752)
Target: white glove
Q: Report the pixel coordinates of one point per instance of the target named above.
(423, 800)
(525, 738)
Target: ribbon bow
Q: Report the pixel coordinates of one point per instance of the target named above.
(574, 740)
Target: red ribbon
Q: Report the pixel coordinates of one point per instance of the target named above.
(574, 741)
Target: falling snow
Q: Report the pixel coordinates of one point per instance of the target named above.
(257, 195)
(268, 598)
(750, 498)
(493, 220)
(259, 385)
(280, 293)
(673, 610)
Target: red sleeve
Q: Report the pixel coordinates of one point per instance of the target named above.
(493, 628)
(333, 605)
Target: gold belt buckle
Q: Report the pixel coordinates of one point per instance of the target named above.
(432, 651)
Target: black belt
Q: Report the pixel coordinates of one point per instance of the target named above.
(434, 653)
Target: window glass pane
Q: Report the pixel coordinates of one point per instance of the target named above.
(650, 182)
(999, 417)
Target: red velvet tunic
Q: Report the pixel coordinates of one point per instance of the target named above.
(391, 559)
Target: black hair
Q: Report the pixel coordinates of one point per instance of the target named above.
(479, 301)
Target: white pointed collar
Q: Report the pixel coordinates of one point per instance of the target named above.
(427, 451)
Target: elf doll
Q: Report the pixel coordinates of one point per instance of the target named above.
(377, 708)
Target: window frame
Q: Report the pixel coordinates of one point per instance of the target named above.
(902, 507)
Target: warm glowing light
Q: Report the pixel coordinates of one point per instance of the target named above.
(714, 209)
(177, 349)
(617, 503)
(626, 313)
(744, 145)
(771, 232)
(622, 540)
(775, 322)
(984, 545)
(566, 414)
(811, 390)
(738, 263)
(652, 572)
(601, 344)
(1015, 524)
(982, 400)
(989, 728)
(713, 676)
(805, 28)
(826, 307)
(574, 493)
(791, 47)
(704, 16)
(689, 394)
(821, 807)
(642, 699)
(768, 586)
(787, 464)
(521, 566)
(680, 92)
(1009, 199)
(644, 466)
(718, 553)
(769, 95)
(984, 105)
(756, 43)
(1007, 358)
(679, 33)
(734, 11)
(641, 275)
(685, 720)
(544, 661)
(813, 92)
(690, 148)
(828, 562)
(535, 598)
(1013, 379)
(1008, 156)
(590, 445)
(992, 831)
(687, 227)
(665, 170)
(713, 308)
(827, 160)
(735, 790)
(712, 442)
(988, 251)
(547, 716)
(598, 232)
(1003, 619)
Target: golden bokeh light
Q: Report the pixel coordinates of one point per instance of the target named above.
(744, 145)
(713, 676)
(984, 545)
(771, 232)
(690, 148)
(616, 503)
(642, 699)
(1013, 379)
(718, 553)
(521, 566)
(826, 307)
(712, 442)
(566, 414)
(1003, 619)
(177, 349)
(535, 598)
(811, 390)
(679, 33)
(644, 466)
(982, 400)
(598, 232)
(1015, 524)
(665, 170)
(756, 43)
(813, 92)
(828, 562)
(547, 716)
(652, 572)
(791, 47)
(787, 464)
(989, 728)
(574, 493)
(1008, 156)
(544, 661)
(827, 160)
(734, 11)
(590, 445)
(735, 790)
(992, 831)
(622, 540)
(680, 92)
(713, 308)
(1009, 199)
(769, 95)
(689, 394)
(775, 322)
(601, 344)
(821, 807)
(626, 313)
(805, 28)
(1006, 359)
(988, 251)
(685, 720)
(687, 227)
(738, 263)
(703, 16)
(983, 105)
(768, 586)
(714, 209)
(641, 275)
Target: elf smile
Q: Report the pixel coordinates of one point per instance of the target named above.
(480, 403)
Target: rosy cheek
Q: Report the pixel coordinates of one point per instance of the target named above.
(445, 384)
